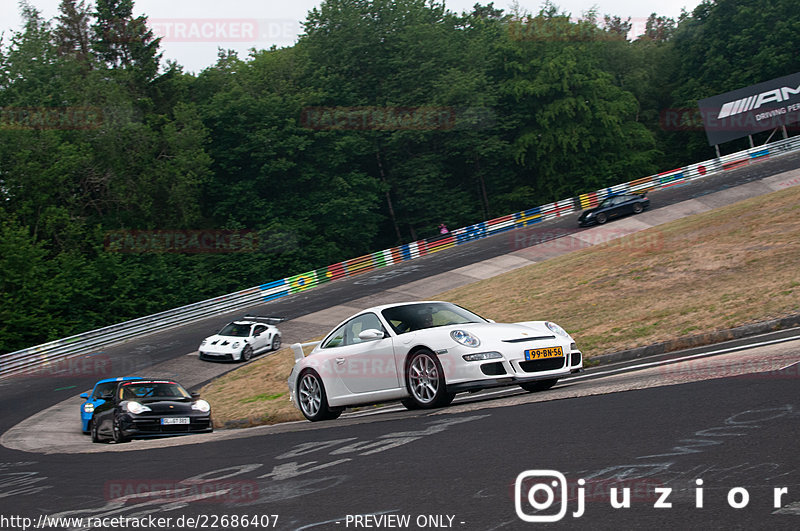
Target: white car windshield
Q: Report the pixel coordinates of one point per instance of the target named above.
(420, 316)
(235, 330)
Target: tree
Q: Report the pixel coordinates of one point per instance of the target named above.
(124, 42)
(72, 32)
(658, 29)
(616, 26)
(577, 131)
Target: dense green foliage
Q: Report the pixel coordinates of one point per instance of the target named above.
(387, 118)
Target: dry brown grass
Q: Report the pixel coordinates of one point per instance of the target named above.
(255, 394)
(707, 272)
(712, 271)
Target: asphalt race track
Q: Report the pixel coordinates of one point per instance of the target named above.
(731, 419)
(731, 432)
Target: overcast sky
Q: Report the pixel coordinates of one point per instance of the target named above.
(192, 30)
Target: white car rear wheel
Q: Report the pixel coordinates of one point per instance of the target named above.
(313, 400)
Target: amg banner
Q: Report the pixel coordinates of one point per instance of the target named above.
(749, 110)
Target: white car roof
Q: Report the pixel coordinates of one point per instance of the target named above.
(393, 305)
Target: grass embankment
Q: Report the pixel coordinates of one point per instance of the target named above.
(712, 271)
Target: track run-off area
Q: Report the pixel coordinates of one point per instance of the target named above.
(693, 435)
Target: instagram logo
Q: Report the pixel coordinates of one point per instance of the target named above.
(541, 486)
(541, 490)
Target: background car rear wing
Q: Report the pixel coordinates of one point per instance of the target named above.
(264, 319)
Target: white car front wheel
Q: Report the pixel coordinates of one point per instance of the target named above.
(247, 353)
(425, 382)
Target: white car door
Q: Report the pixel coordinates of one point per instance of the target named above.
(366, 366)
(262, 339)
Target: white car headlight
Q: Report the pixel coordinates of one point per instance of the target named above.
(235, 345)
(482, 356)
(557, 330)
(203, 342)
(201, 406)
(465, 338)
(136, 407)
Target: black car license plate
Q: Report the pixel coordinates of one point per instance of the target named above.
(175, 420)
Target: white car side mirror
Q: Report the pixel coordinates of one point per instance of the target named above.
(371, 334)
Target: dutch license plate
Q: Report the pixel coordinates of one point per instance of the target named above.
(175, 420)
(542, 353)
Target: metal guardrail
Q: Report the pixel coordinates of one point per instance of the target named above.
(48, 353)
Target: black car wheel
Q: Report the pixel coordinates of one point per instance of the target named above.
(637, 208)
(247, 353)
(425, 382)
(601, 218)
(313, 400)
(119, 437)
(541, 385)
(93, 431)
(276, 342)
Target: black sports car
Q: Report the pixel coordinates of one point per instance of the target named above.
(149, 408)
(612, 207)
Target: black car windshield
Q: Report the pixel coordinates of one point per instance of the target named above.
(235, 330)
(420, 316)
(152, 390)
(607, 202)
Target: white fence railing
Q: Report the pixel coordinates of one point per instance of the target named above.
(33, 358)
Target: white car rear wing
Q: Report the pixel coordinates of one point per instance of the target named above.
(263, 318)
(297, 348)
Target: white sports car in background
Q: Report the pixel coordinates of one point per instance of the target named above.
(423, 353)
(240, 340)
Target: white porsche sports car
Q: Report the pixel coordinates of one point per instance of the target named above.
(423, 353)
(240, 340)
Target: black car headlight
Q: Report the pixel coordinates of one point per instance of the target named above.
(202, 406)
(135, 407)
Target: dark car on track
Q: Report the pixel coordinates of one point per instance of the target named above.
(149, 408)
(612, 207)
